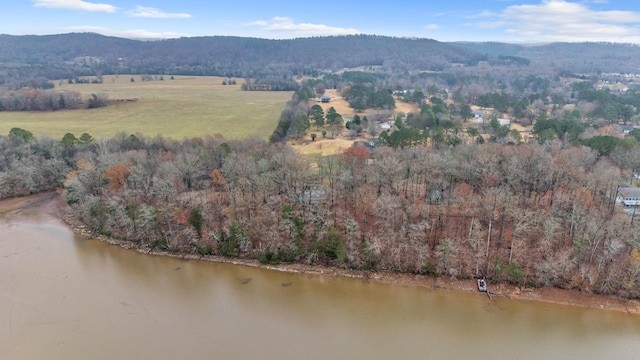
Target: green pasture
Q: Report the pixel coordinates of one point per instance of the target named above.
(179, 108)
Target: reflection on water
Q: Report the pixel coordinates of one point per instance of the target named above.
(62, 297)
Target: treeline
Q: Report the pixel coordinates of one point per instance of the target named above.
(361, 97)
(39, 100)
(610, 107)
(269, 83)
(296, 107)
(530, 215)
(48, 100)
(40, 83)
(29, 165)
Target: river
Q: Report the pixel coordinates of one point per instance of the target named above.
(65, 297)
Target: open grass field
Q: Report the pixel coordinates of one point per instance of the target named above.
(179, 108)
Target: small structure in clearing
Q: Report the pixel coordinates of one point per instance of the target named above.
(314, 194)
(628, 196)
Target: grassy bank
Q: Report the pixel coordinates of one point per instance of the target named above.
(183, 107)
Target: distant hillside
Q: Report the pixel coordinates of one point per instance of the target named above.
(223, 55)
(490, 48)
(82, 54)
(587, 57)
(573, 57)
(56, 49)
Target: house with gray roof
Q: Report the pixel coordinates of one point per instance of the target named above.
(628, 196)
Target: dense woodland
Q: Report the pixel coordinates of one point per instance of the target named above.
(532, 215)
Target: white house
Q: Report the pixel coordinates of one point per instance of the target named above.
(504, 122)
(629, 196)
(477, 117)
(626, 129)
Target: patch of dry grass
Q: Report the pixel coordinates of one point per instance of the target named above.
(343, 108)
(322, 146)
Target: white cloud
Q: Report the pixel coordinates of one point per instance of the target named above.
(483, 14)
(432, 27)
(284, 24)
(257, 23)
(561, 20)
(281, 19)
(129, 34)
(75, 5)
(150, 12)
(489, 24)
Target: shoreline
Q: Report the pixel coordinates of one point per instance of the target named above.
(59, 210)
(547, 295)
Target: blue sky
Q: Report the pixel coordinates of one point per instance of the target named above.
(519, 21)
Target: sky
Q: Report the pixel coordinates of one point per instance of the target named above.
(514, 21)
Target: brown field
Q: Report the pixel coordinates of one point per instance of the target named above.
(187, 106)
(322, 147)
(343, 108)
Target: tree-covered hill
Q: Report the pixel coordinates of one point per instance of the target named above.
(83, 53)
(64, 48)
(490, 48)
(587, 57)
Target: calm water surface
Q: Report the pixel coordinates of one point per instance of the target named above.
(62, 297)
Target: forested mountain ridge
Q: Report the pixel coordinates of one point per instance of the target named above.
(85, 54)
(58, 49)
(92, 54)
(215, 54)
(490, 47)
(586, 57)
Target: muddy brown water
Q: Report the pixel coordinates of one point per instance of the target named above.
(65, 297)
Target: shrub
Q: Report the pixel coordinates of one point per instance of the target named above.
(429, 268)
(204, 250)
(161, 244)
(72, 197)
(287, 255)
(96, 101)
(270, 257)
(18, 133)
(235, 240)
(516, 273)
(195, 220)
(369, 259)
